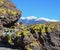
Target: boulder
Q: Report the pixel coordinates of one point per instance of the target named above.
(9, 14)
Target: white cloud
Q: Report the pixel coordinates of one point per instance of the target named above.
(42, 18)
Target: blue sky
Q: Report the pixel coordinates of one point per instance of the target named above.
(39, 8)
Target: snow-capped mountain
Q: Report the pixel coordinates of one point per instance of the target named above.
(35, 20)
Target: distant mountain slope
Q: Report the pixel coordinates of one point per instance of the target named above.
(35, 20)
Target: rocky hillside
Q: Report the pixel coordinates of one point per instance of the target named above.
(18, 36)
(32, 37)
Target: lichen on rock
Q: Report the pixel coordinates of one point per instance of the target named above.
(9, 14)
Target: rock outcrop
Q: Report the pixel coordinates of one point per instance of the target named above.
(9, 14)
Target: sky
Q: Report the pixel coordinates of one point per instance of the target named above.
(39, 8)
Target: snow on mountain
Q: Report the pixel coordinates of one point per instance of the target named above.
(35, 20)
